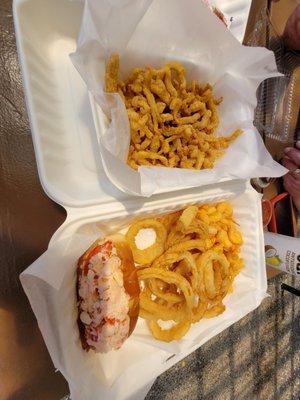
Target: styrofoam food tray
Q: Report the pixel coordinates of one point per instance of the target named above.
(63, 132)
(145, 359)
(70, 167)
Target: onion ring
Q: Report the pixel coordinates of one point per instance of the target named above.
(147, 255)
(174, 333)
(170, 277)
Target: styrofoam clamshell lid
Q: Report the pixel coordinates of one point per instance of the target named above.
(63, 132)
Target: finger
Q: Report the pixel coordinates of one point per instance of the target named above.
(297, 33)
(292, 167)
(293, 170)
(294, 17)
(296, 176)
(291, 185)
(293, 154)
(288, 163)
(292, 30)
(298, 144)
(298, 25)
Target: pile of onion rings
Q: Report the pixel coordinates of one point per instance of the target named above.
(185, 275)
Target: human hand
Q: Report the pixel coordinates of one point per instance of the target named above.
(291, 32)
(291, 180)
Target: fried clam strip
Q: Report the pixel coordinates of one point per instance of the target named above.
(144, 155)
(112, 74)
(172, 123)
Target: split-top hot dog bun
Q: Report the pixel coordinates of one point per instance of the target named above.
(108, 294)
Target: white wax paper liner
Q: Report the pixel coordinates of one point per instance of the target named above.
(149, 32)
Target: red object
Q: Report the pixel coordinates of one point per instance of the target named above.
(267, 210)
(273, 225)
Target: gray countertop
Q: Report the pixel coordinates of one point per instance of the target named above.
(256, 358)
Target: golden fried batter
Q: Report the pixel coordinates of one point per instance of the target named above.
(172, 123)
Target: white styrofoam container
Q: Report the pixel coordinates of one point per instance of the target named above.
(128, 373)
(65, 143)
(146, 359)
(63, 132)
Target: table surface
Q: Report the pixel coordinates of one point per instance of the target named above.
(28, 220)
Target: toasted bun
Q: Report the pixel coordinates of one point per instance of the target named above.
(130, 279)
